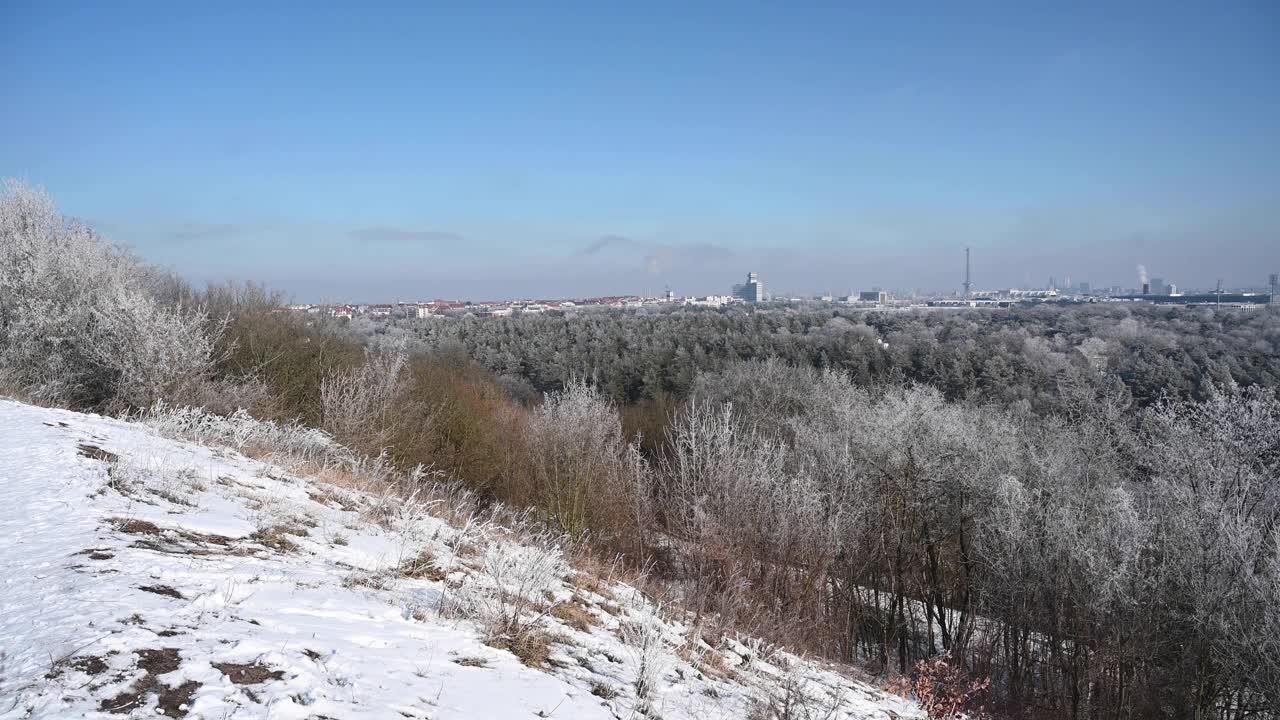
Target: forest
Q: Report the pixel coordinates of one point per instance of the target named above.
(1075, 508)
(1018, 358)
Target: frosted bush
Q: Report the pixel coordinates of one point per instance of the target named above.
(240, 430)
(358, 403)
(80, 321)
(643, 637)
(508, 595)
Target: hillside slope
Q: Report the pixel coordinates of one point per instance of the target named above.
(143, 575)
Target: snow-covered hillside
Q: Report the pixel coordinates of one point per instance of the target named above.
(141, 575)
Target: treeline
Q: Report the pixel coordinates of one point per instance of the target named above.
(1015, 358)
(1092, 550)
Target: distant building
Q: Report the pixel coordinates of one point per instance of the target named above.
(1033, 294)
(751, 291)
(714, 301)
(875, 296)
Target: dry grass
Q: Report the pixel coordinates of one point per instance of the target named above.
(330, 497)
(135, 527)
(575, 615)
(382, 580)
(712, 663)
(422, 567)
(531, 645)
(603, 690)
(276, 536)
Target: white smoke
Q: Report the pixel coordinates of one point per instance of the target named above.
(1142, 274)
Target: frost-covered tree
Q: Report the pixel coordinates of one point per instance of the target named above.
(1215, 540)
(80, 320)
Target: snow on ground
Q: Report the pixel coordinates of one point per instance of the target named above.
(144, 576)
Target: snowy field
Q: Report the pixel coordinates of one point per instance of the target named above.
(144, 576)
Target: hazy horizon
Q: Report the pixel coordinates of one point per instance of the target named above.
(392, 153)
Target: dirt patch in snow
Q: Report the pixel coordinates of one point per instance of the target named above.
(175, 541)
(87, 664)
(125, 702)
(248, 673)
(96, 553)
(134, 527)
(174, 701)
(170, 701)
(159, 661)
(164, 590)
(96, 453)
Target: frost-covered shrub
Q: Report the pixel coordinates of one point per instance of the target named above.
(643, 636)
(293, 441)
(508, 596)
(583, 469)
(359, 404)
(80, 322)
(793, 696)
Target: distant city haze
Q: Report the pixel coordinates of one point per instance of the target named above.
(388, 152)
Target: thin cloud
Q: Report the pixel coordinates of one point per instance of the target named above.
(195, 231)
(658, 258)
(609, 242)
(662, 258)
(388, 234)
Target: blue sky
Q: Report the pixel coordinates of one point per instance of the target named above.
(387, 151)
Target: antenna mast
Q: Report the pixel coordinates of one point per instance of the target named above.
(967, 285)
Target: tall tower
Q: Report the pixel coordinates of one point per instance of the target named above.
(1275, 282)
(968, 286)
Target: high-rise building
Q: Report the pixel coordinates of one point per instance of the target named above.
(1158, 287)
(752, 290)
